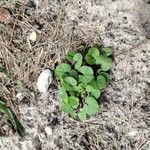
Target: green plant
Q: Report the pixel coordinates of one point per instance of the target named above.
(82, 80)
(12, 118)
(7, 111)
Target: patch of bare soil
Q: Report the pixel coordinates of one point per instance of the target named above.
(123, 122)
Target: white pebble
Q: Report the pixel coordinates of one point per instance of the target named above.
(44, 81)
(19, 96)
(32, 36)
(36, 2)
(48, 130)
(132, 133)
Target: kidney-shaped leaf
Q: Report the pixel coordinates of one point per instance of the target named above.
(66, 108)
(96, 93)
(78, 58)
(106, 75)
(94, 52)
(108, 51)
(62, 92)
(70, 55)
(92, 106)
(73, 74)
(101, 81)
(71, 81)
(90, 59)
(68, 87)
(61, 69)
(82, 114)
(105, 62)
(85, 78)
(73, 101)
(86, 70)
(94, 84)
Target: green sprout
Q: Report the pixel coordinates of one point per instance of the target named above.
(12, 118)
(82, 80)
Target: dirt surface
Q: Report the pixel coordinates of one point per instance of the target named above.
(123, 122)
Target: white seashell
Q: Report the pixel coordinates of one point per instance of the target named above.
(32, 36)
(48, 131)
(44, 81)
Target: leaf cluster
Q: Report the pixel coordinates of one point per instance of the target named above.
(81, 81)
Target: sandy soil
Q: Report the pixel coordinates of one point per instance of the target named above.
(123, 122)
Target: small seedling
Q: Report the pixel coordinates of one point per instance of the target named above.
(7, 111)
(12, 118)
(81, 81)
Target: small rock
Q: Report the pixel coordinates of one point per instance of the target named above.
(32, 36)
(19, 96)
(132, 133)
(36, 2)
(44, 81)
(5, 16)
(48, 130)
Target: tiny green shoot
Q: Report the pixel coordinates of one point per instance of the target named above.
(12, 118)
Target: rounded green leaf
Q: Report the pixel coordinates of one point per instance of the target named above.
(108, 51)
(78, 64)
(106, 75)
(82, 115)
(61, 69)
(94, 84)
(105, 62)
(70, 80)
(85, 78)
(62, 92)
(73, 114)
(101, 81)
(77, 56)
(94, 52)
(73, 74)
(80, 88)
(68, 87)
(90, 60)
(86, 70)
(66, 108)
(94, 92)
(73, 101)
(92, 106)
(70, 55)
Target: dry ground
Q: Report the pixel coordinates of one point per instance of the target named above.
(124, 119)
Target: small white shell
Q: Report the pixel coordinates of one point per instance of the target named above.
(32, 36)
(44, 81)
(48, 131)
